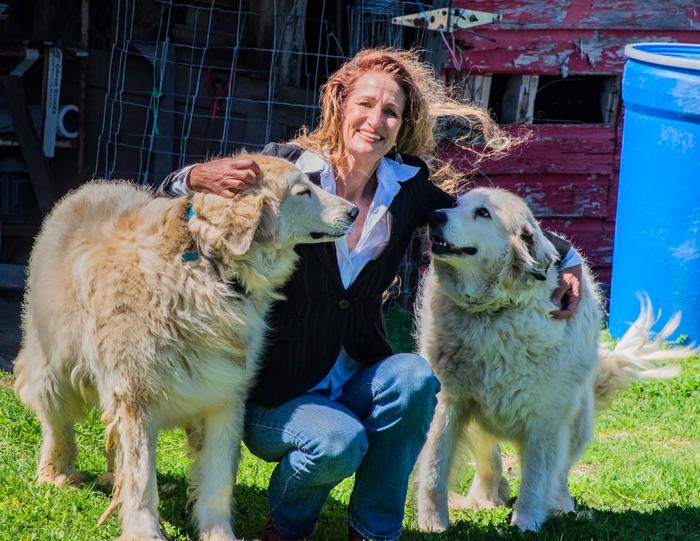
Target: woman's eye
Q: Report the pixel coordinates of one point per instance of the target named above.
(392, 114)
(364, 104)
(482, 212)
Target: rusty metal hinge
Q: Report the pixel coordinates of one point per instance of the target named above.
(447, 19)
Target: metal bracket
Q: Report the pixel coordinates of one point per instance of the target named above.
(447, 20)
(52, 88)
(30, 56)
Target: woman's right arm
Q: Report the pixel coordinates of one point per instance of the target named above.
(224, 177)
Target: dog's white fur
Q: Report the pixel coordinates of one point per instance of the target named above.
(509, 371)
(115, 316)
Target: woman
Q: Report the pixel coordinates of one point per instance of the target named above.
(332, 399)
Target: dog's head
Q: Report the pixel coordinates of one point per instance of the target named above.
(490, 240)
(261, 225)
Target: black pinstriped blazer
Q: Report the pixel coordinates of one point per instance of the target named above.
(320, 316)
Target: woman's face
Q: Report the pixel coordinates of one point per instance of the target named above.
(372, 116)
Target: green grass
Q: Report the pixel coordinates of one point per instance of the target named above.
(640, 477)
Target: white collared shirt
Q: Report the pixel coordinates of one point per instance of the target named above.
(374, 237)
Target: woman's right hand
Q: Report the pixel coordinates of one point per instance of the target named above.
(225, 176)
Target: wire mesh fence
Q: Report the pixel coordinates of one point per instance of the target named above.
(190, 80)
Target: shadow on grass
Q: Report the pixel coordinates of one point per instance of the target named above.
(671, 523)
(250, 516)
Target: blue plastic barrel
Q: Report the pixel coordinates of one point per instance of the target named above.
(657, 231)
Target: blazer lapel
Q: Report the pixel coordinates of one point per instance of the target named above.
(326, 252)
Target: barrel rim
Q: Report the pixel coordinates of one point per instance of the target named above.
(634, 52)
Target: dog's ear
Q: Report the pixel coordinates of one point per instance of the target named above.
(229, 225)
(530, 254)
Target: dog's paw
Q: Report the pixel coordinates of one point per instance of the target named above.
(217, 535)
(105, 481)
(128, 537)
(433, 524)
(526, 523)
(69, 478)
(474, 502)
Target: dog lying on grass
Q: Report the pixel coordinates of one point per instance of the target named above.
(508, 370)
(154, 310)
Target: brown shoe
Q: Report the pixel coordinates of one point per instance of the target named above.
(271, 533)
(354, 535)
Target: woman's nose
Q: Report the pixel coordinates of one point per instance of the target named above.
(375, 117)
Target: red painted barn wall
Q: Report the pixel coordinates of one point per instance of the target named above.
(568, 173)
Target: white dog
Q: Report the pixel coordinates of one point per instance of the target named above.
(509, 371)
(154, 309)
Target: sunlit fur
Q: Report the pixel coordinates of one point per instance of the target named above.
(509, 371)
(115, 316)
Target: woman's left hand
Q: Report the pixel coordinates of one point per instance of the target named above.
(568, 294)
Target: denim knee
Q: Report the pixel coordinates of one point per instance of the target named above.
(337, 454)
(413, 377)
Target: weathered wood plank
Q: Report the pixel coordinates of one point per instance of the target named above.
(594, 237)
(469, 88)
(519, 99)
(554, 149)
(552, 52)
(630, 14)
(557, 196)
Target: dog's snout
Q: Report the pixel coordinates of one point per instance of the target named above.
(437, 218)
(353, 213)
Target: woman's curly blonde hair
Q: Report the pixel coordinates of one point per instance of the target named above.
(427, 102)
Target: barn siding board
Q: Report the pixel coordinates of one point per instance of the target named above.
(557, 196)
(594, 237)
(577, 149)
(599, 14)
(567, 173)
(552, 52)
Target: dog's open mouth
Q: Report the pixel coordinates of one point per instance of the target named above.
(441, 247)
(333, 235)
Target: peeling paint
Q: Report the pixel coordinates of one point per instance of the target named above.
(599, 14)
(591, 48)
(525, 60)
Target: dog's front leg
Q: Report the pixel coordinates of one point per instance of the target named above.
(214, 472)
(542, 456)
(434, 464)
(489, 488)
(138, 492)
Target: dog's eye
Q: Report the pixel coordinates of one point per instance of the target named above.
(482, 212)
(304, 192)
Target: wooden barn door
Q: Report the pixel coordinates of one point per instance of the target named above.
(554, 67)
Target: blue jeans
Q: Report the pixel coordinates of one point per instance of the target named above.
(375, 429)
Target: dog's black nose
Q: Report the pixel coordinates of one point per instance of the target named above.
(438, 217)
(353, 212)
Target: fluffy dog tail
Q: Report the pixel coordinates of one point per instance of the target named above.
(639, 354)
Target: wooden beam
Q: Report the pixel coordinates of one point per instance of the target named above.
(477, 90)
(37, 165)
(519, 99)
(610, 99)
(293, 22)
(435, 53)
